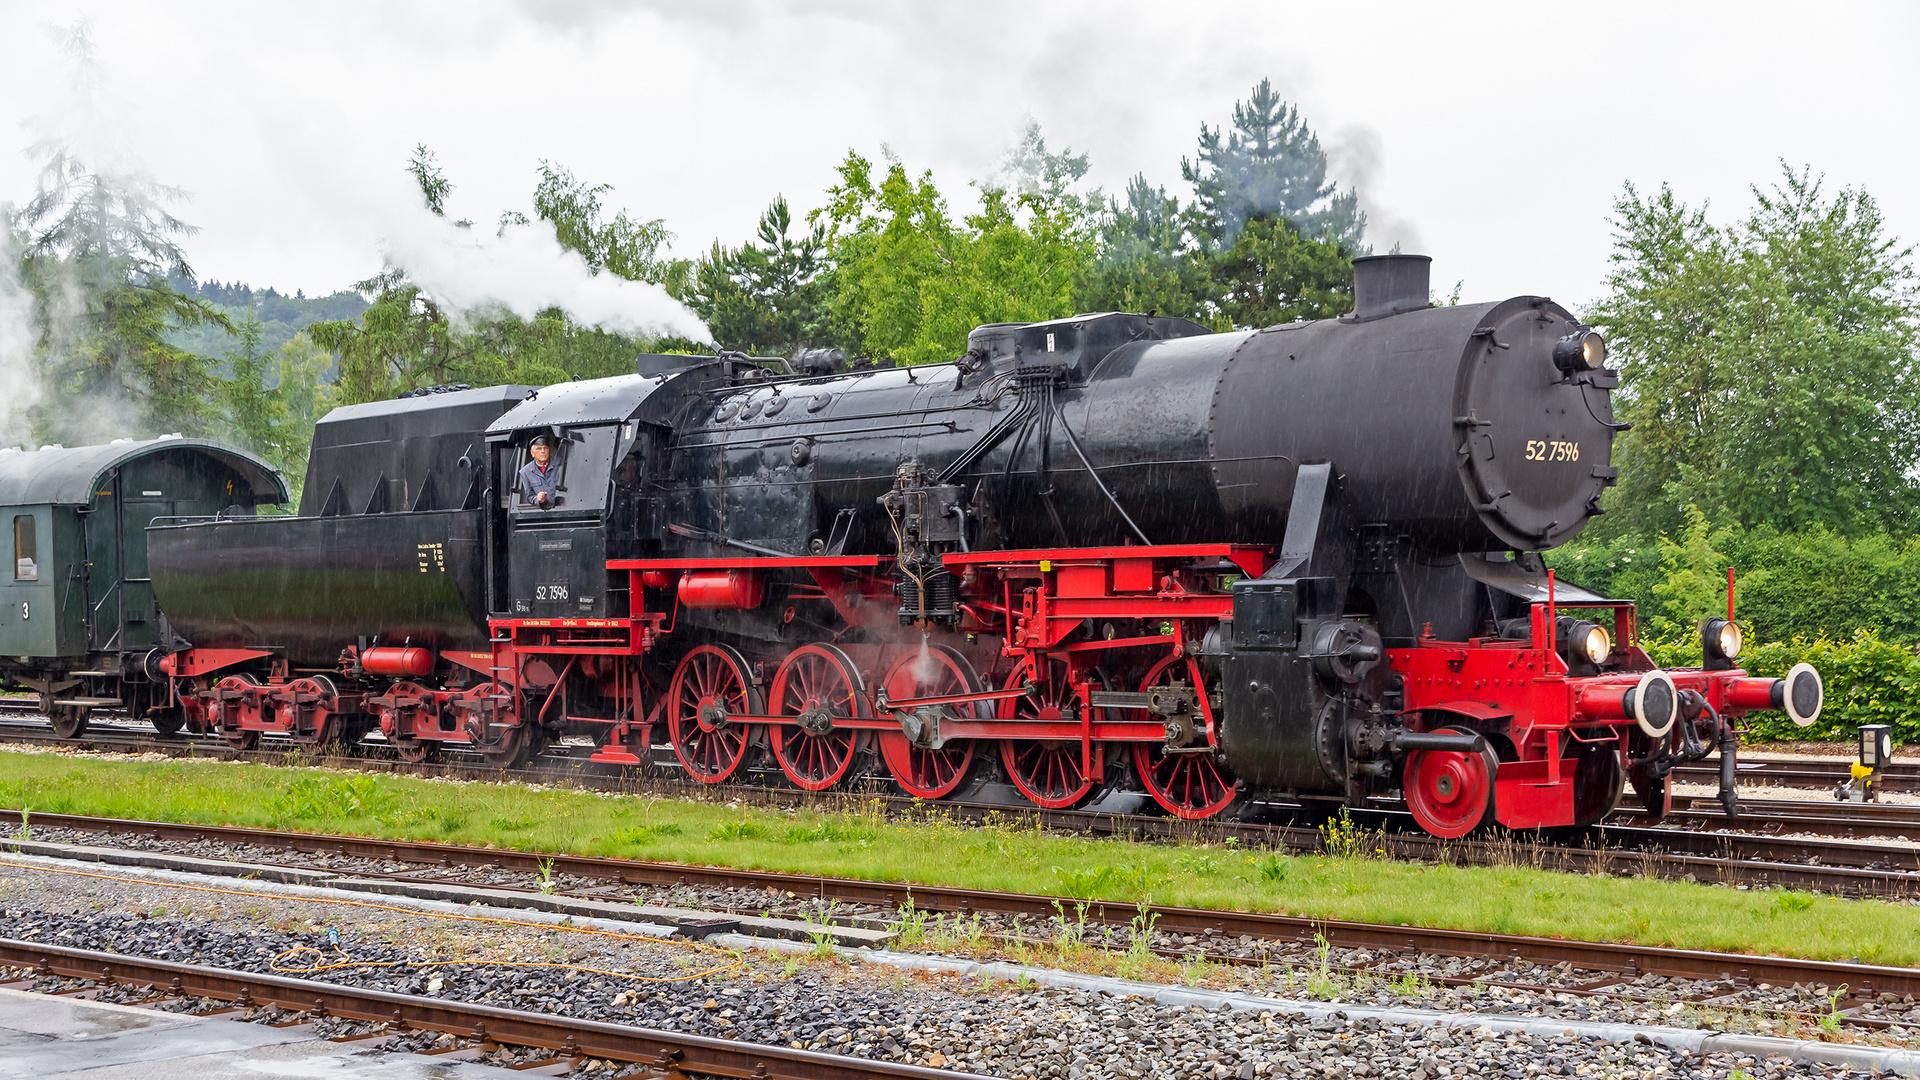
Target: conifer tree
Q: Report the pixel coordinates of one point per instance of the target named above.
(1269, 165)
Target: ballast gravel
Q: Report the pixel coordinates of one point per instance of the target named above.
(821, 1003)
(1279, 968)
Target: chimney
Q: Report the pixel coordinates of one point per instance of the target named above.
(1390, 284)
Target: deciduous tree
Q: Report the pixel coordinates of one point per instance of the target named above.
(1769, 367)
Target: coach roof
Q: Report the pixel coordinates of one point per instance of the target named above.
(65, 476)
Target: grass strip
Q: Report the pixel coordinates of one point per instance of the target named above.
(1353, 884)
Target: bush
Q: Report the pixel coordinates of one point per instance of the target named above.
(1810, 584)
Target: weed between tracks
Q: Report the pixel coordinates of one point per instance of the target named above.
(1351, 880)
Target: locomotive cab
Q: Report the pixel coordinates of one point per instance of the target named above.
(550, 561)
(557, 554)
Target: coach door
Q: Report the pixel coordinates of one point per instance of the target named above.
(121, 609)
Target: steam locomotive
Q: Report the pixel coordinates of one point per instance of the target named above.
(1107, 552)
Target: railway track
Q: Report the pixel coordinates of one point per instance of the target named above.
(1772, 848)
(1903, 776)
(570, 1040)
(874, 899)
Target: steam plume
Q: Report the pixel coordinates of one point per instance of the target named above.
(526, 271)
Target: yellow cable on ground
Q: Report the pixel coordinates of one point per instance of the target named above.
(738, 961)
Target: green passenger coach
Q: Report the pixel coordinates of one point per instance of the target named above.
(78, 622)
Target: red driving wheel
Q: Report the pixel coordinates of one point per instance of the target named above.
(818, 685)
(1049, 772)
(935, 671)
(1190, 785)
(710, 687)
(1451, 791)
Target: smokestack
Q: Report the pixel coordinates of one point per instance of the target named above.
(1390, 284)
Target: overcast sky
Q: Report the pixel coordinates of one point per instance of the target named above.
(1492, 137)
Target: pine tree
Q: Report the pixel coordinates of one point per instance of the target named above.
(1270, 165)
(769, 297)
(102, 251)
(1147, 259)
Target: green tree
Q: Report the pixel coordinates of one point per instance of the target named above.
(433, 183)
(405, 340)
(621, 245)
(908, 282)
(1769, 367)
(100, 252)
(305, 394)
(256, 417)
(402, 341)
(1272, 274)
(1146, 259)
(1269, 165)
(768, 297)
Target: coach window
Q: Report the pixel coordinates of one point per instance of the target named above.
(24, 550)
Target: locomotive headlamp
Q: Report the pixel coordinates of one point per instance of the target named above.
(1584, 642)
(1582, 350)
(1596, 644)
(1721, 638)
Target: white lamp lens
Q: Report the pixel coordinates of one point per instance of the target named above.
(1599, 645)
(1730, 640)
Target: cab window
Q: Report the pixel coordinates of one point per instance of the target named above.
(583, 461)
(25, 551)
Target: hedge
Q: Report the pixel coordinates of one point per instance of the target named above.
(1868, 681)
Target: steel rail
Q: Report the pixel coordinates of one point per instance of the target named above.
(1846, 820)
(1901, 776)
(670, 1052)
(1602, 956)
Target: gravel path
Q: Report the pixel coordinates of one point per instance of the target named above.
(821, 1003)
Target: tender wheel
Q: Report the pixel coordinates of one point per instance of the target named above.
(1597, 781)
(69, 721)
(399, 724)
(1188, 785)
(226, 713)
(493, 728)
(709, 688)
(1050, 773)
(819, 685)
(519, 744)
(935, 672)
(313, 720)
(1451, 792)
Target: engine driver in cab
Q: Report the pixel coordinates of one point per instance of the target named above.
(540, 481)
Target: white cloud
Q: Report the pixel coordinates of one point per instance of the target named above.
(1504, 132)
